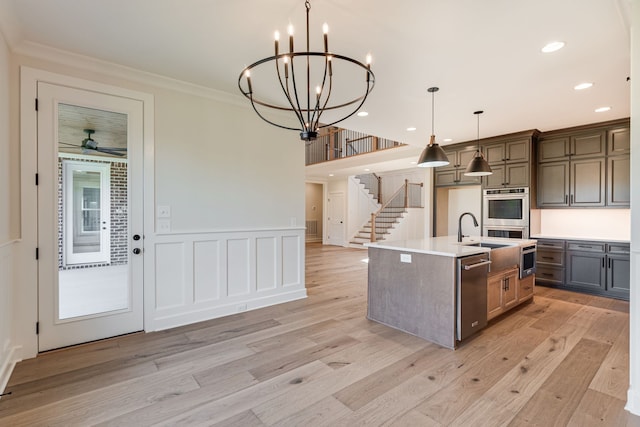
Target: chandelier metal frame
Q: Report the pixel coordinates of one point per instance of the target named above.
(307, 115)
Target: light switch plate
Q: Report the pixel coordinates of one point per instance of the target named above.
(405, 258)
(164, 211)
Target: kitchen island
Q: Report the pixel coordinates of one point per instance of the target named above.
(418, 286)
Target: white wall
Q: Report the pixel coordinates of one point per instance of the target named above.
(465, 199)
(7, 344)
(607, 224)
(235, 186)
(633, 401)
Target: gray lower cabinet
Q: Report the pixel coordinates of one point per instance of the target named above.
(595, 267)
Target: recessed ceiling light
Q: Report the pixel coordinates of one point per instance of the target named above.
(602, 109)
(411, 129)
(330, 174)
(363, 114)
(552, 47)
(414, 163)
(447, 140)
(582, 86)
(367, 170)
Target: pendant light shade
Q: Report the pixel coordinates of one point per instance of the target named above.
(478, 166)
(433, 155)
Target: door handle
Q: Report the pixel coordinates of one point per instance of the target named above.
(136, 237)
(136, 251)
(476, 265)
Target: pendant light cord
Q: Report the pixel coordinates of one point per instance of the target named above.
(433, 97)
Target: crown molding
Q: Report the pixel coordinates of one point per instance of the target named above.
(110, 69)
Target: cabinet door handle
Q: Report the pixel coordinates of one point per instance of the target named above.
(572, 199)
(547, 257)
(566, 199)
(602, 262)
(609, 261)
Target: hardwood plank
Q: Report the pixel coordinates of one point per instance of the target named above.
(557, 399)
(320, 414)
(249, 398)
(501, 403)
(106, 402)
(159, 411)
(413, 418)
(458, 395)
(300, 358)
(597, 409)
(612, 377)
(244, 419)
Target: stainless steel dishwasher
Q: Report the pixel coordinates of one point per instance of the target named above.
(472, 294)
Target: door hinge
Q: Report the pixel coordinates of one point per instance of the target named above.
(37, 328)
(36, 104)
(37, 253)
(37, 179)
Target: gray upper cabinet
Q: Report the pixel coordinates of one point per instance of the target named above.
(553, 149)
(587, 183)
(510, 161)
(619, 141)
(592, 144)
(553, 184)
(584, 167)
(619, 181)
(453, 173)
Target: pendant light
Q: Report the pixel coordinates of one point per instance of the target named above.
(478, 166)
(433, 155)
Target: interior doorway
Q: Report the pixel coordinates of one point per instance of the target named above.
(314, 211)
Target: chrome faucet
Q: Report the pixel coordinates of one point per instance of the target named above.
(475, 224)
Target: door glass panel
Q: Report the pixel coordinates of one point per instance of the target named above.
(93, 225)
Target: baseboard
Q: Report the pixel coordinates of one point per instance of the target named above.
(7, 368)
(209, 313)
(633, 402)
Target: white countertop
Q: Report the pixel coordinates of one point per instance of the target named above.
(447, 245)
(586, 239)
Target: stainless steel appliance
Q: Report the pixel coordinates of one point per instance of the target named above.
(527, 260)
(472, 294)
(505, 213)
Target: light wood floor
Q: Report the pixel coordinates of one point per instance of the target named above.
(561, 360)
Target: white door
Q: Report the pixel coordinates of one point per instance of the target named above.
(335, 219)
(90, 216)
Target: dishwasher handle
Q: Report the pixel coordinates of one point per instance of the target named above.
(476, 265)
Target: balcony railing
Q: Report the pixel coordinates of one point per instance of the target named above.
(341, 143)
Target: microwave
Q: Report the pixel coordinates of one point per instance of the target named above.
(506, 207)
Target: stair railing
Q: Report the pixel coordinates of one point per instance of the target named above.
(409, 195)
(373, 184)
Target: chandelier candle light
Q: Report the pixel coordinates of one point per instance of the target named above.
(307, 111)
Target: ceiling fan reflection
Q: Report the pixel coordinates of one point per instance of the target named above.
(90, 146)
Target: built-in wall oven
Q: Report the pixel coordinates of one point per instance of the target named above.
(505, 213)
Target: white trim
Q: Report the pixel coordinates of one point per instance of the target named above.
(103, 159)
(7, 367)
(9, 243)
(87, 63)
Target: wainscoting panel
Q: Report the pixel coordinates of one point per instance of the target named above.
(207, 271)
(266, 261)
(238, 267)
(201, 276)
(292, 260)
(170, 272)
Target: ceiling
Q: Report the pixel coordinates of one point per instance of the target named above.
(481, 54)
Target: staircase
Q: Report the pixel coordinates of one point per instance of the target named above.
(385, 220)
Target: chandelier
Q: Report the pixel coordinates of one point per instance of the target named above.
(295, 94)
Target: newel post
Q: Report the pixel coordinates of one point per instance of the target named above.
(406, 193)
(373, 227)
